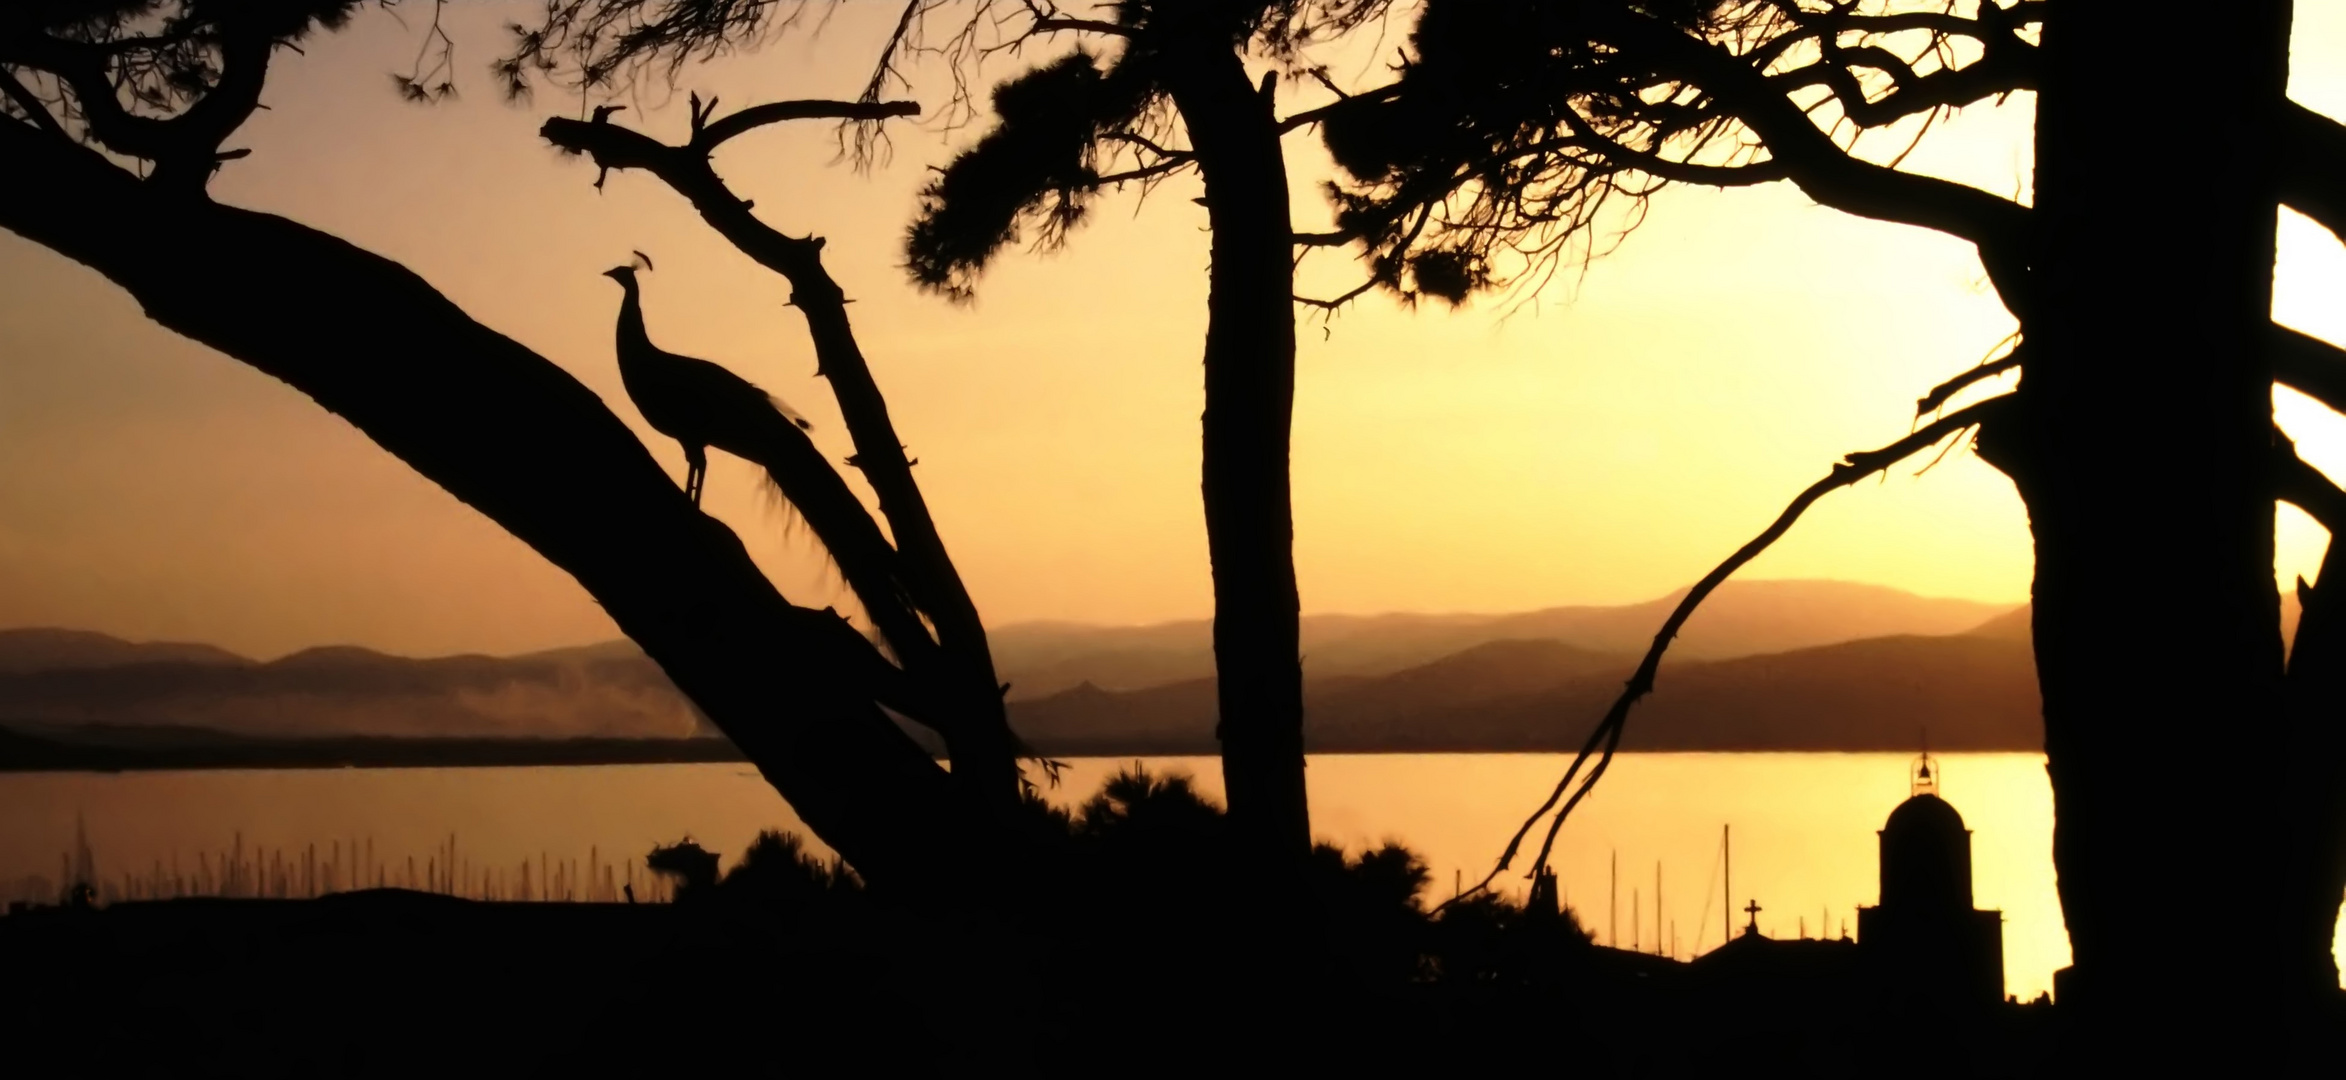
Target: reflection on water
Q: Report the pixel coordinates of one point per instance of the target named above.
(1803, 827)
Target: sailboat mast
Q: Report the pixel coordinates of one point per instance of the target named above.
(1727, 889)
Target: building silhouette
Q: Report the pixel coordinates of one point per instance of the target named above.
(1923, 948)
(1924, 942)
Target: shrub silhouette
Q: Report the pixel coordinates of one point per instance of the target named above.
(778, 875)
(690, 868)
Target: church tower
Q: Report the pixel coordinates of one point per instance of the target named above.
(1924, 942)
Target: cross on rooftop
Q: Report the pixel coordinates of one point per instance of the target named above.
(1753, 909)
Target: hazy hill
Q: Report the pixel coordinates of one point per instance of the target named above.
(605, 690)
(44, 649)
(1971, 691)
(2014, 624)
(1741, 619)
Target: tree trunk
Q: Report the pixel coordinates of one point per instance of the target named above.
(2317, 739)
(2142, 449)
(1250, 401)
(520, 440)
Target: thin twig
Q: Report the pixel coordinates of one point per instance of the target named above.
(1348, 296)
(1940, 394)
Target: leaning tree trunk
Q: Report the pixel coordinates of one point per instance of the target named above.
(1250, 401)
(2143, 449)
(517, 438)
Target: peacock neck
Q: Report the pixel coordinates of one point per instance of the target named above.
(631, 316)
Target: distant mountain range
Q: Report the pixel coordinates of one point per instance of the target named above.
(1968, 691)
(1740, 619)
(1765, 665)
(65, 679)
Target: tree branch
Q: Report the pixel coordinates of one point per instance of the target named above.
(1942, 393)
(2300, 361)
(1146, 172)
(198, 132)
(36, 111)
(1606, 738)
(1311, 116)
(1997, 226)
(82, 70)
(2313, 166)
(711, 136)
(1622, 156)
(1346, 297)
(1063, 25)
(185, 149)
(2310, 366)
(2007, 62)
(2301, 485)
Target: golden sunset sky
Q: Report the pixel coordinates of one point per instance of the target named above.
(1605, 440)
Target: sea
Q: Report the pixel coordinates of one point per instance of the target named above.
(1672, 853)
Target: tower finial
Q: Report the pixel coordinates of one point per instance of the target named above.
(1923, 779)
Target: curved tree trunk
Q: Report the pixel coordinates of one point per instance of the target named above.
(520, 440)
(1250, 402)
(2143, 451)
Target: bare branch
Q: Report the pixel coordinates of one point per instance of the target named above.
(1348, 296)
(1063, 25)
(2301, 485)
(185, 149)
(1606, 738)
(2309, 365)
(1825, 171)
(1142, 141)
(715, 134)
(1171, 164)
(1619, 156)
(1942, 393)
(2313, 166)
(1344, 101)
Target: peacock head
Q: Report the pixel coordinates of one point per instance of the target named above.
(625, 275)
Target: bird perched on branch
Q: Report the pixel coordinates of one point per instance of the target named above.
(694, 402)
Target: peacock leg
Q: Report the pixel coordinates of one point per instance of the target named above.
(696, 472)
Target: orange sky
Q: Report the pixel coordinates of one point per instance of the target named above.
(1605, 442)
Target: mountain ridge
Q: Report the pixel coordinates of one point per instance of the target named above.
(1974, 692)
(1741, 618)
(1381, 680)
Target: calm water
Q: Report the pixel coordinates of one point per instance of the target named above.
(1803, 826)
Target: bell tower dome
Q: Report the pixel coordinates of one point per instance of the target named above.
(1926, 851)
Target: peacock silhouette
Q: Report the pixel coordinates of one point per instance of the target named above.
(695, 402)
